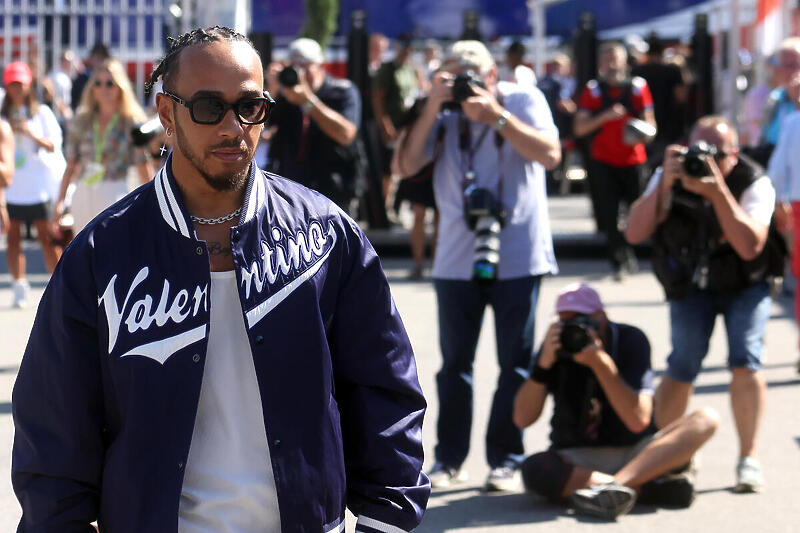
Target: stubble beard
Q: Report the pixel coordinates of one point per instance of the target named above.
(218, 182)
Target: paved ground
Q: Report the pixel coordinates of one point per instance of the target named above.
(637, 300)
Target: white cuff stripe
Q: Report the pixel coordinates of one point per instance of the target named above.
(377, 524)
(338, 527)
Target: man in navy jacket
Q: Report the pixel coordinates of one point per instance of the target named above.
(219, 350)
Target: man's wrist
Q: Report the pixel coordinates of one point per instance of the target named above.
(310, 103)
(501, 120)
(541, 375)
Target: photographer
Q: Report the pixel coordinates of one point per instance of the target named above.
(315, 119)
(494, 242)
(603, 448)
(709, 213)
(617, 112)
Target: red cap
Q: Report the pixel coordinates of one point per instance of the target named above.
(579, 298)
(17, 71)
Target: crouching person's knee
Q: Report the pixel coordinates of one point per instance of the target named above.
(546, 474)
(705, 422)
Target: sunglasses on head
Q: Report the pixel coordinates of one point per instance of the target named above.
(108, 83)
(211, 109)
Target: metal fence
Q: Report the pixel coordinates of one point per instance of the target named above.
(38, 31)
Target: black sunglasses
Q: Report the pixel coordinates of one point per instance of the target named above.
(108, 83)
(211, 109)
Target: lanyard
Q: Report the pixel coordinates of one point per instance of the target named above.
(100, 141)
(468, 150)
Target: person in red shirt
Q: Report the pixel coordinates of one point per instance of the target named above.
(618, 158)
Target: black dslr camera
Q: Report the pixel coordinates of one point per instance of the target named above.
(694, 159)
(574, 336)
(486, 216)
(462, 88)
(289, 77)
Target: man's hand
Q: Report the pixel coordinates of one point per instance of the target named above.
(483, 107)
(672, 167)
(441, 90)
(707, 186)
(271, 75)
(593, 353)
(551, 344)
(300, 93)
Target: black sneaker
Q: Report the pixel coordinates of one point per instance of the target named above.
(608, 500)
(671, 490)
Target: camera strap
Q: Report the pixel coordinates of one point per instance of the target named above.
(468, 150)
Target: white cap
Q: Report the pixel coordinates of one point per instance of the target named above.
(306, 51)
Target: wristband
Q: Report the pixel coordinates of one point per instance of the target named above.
(310, 104)
(541, 375)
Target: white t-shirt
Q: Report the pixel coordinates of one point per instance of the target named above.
(228, 486)
(37, 172)
(526, 244)
(757, 200)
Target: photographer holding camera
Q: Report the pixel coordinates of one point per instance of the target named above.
(316, 120)
(709, 213)
(604, 450)
(494, 242)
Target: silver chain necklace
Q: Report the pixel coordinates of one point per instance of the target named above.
(220, 220)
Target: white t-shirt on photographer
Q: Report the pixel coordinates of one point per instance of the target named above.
(757, 200)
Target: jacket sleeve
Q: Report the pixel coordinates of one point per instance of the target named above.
(58, 451)
(379, 396)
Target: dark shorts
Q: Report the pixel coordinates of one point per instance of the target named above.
(416, 192)
(30, 212)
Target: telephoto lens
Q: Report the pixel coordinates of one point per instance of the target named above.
(487, 249)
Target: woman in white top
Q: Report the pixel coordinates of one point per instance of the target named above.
(38, 163)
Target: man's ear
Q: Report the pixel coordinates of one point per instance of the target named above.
(165, 111)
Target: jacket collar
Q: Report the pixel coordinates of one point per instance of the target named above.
(173, 209)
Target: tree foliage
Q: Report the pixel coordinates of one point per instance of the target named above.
(321, 18)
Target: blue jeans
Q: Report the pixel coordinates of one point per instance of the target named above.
(745, 313)
(461, 306)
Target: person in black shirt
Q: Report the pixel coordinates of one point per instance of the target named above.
(604, 447)
(669, 95)
(315, 121)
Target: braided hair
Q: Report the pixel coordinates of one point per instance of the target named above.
(168, 65)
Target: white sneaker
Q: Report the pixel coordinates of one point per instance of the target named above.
(21, 289)
(443, 477)
(502, 479)
(749, 477)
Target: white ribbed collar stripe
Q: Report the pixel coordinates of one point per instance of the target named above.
(173, 204)
(377, 524)
(255, 196)
(162, 200)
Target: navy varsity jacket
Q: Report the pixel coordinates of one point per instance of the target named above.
(107, 392)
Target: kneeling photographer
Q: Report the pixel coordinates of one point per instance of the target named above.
(494, 242)
(604, 448)
(709, 211)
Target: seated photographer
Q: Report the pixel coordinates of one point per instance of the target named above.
(315, 125)
(709, 213)
(604, 449)
(494, 243)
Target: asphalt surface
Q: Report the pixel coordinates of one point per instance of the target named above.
(466, 508)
